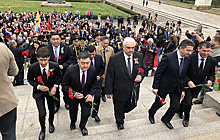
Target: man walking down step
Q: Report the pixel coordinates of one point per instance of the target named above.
(201, 66)
(170, 79)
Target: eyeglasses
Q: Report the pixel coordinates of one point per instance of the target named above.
(55, 39)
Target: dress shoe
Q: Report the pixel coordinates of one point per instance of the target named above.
(42, 135)
(56, 108)
(67, 106)
(185, 123)
(72, 127)
(51, 128)
(151, 118)
(218, 113)
(180, 114)
(84, 131)
(120, 126)
(97, 119)
(103, 98)
(197, 102)
(168, 124)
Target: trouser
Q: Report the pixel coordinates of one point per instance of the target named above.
(8, 125)
(19, 78)
(174, 105)
(96, 102)
(85, 111)
(42, 110)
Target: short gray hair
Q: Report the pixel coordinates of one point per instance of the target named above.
(11, 43)
(150, 40)
(128, 39)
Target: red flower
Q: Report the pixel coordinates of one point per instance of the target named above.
(59, 57)
(50, 72)
(104, 75)
(39, 79)
(161, 100)
(141, 70)
(25, 53)
(70, 93)
(218, 80)
(163, 103)
(55, 59)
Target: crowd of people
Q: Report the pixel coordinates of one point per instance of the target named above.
(102, 58)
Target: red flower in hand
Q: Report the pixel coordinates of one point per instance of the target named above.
(163, 103)
(55, 59)
(104, 76)
(218, 80)
(59, 57)
(141, 70)
(39, 79)
(70, 93)
(161, 100)
(25, 53)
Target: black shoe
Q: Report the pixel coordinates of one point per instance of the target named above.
(51, 128)
(84, 131)
(168, 124)
(185, 123)
(72, 127)
(67, 106)
(180, 114)
(103, 98)
(97, 119)
(218, 113)
(56, 108)
(197, 102)
(120, 126)
(42, 135)
(151, 118)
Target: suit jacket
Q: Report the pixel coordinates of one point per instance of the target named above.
(118, 82)
(109, 52)
(66, 56)
(8, 99)
(193, 72)
(167, 76)
(34, 71)
(72, 79)
(99, 65)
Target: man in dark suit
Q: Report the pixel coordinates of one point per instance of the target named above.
(96, 61)
(201, 65)
(122, 74)
(19, 58)
(170, 79)
(80, 79)
(45, 77)
(61, 54)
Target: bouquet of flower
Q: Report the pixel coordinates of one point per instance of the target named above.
(39, 79)
(25, 54)
(161, 100)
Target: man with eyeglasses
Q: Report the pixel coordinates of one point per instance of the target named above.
(61, 54)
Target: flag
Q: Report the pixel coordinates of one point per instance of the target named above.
(37, 23)
(9, 10)
(48, 26)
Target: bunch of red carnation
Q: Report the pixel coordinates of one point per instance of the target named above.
(25, 53)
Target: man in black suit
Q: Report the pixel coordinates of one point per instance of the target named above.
(122, 74)
(60, 53)
(96, 61)
(81, 79)
(19, 58)
(170, 79)
(201, 65)
(45, 77)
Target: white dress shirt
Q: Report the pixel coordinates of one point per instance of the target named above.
(179, 57)
(200, 60)
(81, 73)
(126, 60)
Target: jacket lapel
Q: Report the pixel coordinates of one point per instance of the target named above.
(135, 66)
(40, 73)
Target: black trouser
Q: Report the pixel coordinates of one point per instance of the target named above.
(119, 110)
(8, 125)
(97, 99)
(85, 111)
(19, 78)
(42, 110)
(174, 105)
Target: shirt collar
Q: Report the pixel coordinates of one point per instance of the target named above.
(126, 56)
(46, 68)
(178, 55)
(200, 58)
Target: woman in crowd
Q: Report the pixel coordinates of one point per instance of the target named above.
(35, 46)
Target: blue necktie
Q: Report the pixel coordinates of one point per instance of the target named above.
(181, 65)
(56, 54)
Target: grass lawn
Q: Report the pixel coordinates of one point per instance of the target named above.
(32, 6)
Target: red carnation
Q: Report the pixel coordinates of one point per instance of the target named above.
(70, 93)
(59, 57)
(141, 70)
(55, 59)
(161, 100)
(104, 75)
(25, 53)
(39, 79)
(218, 80)
(163, 103)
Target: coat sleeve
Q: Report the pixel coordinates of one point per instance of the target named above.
(30, 78)
(211, 74)
(102, 67)
(94, 84)
(58, 76)
(66, 81)
(109, 77)
(13, 68)
(69, 59)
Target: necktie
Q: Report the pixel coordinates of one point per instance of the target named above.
(45, 75)
(56, 54)
(83, 79)
(104, 54)
(91, 63)
(129, 67)
(181, 65)
(201, 66)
